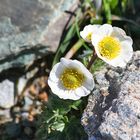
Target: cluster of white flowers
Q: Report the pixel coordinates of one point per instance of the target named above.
(111, 44)
(70, 79)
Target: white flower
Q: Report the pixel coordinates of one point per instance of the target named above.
(88, 31)
(113, 45)
(69, 79)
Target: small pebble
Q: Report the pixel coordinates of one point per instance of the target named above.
(6, 94)
(43, 96)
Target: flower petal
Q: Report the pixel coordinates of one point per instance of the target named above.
(61, 92)
(89, 83)
(120, 34)
(89, 29)
(82, 91)
(127, 50)
(65, 62)
(54, 74)
(117, 62)
(55, 87)
(105, 30)
(70, 94)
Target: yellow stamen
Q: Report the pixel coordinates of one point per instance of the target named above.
(109, 47)
(88, 37)
(72, 78)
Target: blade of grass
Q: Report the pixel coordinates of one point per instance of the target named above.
(115, 17)
(80, 42)
(77, 24)
(74, 49)
(64, 44)
(107, 10)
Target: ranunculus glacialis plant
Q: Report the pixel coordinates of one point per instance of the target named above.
(70, 79)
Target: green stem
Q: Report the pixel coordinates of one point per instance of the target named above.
(92, 60)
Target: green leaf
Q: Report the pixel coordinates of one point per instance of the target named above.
(107, 10)
(64, 44)
(58, 125)
(77, 103)
(113, 3)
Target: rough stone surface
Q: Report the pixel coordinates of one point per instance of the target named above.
(6, 94)
(113, 110)
(29, 29)
(5, 116)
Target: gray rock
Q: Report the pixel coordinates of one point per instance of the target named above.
(6, 94)
(5, 116)
(116, 115)
(30, 29)
(21, 84)
(121, 120)
(28, 103)
(25, 115)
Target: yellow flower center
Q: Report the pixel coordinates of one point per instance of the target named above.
(109, 47)
(88, 37)
(72, 78)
